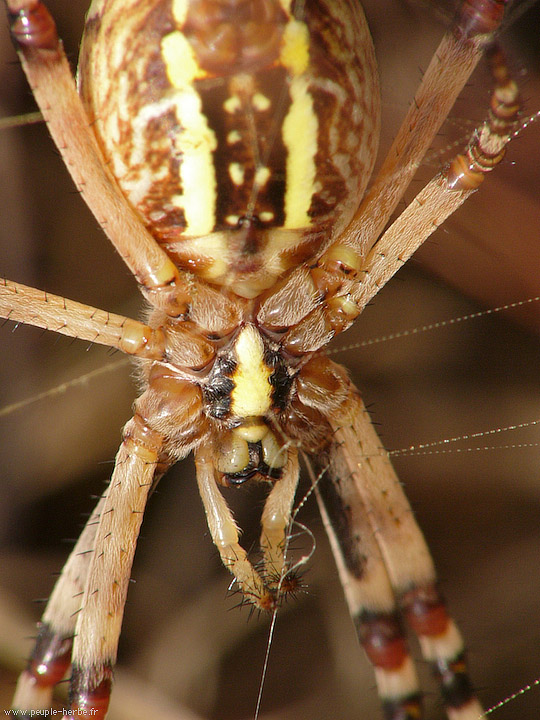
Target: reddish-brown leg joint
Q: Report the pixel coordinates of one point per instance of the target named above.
(34, 27)
(479, 17)
(383, 639)
(50, 658)
(426, 613)
(90, 692)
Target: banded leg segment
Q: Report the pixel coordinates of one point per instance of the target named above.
(442, 646)
(100, 618)
(87, 604)
(447, 191)
(51, 656)
(369, 595)
(360, 466)
(451, 66)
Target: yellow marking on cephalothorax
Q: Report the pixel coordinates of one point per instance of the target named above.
(195, 142)
(262, 175)
(232, 219)
(251, 395)
(233, 137)
(266, 216)
(300, 130)
(232, 104)
(294, 53)
(237, 173)
(260, 102)
(179, 11)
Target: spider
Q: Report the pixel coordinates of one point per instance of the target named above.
(265, 593)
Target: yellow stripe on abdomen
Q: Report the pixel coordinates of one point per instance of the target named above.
(300, 128)
(195, 142)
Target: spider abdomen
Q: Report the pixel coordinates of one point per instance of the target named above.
(242, 158)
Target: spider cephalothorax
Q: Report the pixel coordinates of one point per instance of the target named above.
(225, 146)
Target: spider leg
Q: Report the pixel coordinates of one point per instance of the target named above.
(275, 522)
(83, 619)
(364, 485)
(51, 656)
(223, 529)
(50, 78)
(369, 595)
(348, 282)
(100, 617)
(20, 303)
(451, 66)
(446, 192)
(383, 560)
(367, 582)
(49, 75)
(258, 588)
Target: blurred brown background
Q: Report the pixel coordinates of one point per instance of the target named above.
(184, 650)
